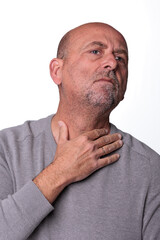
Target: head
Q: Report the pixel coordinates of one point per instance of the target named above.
(91, 67)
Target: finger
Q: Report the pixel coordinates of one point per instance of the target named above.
(109, 148)
(96, 133)
(102, 162)
(107, 139)
(63, 132)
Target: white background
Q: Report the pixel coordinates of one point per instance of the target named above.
(29, 34)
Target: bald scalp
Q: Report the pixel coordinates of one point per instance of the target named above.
(63, 46)
(66, 39)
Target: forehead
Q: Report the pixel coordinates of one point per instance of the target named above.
(82, 37)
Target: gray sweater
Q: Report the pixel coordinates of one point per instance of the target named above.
(118, 202)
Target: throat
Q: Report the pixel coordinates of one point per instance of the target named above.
(79, 123)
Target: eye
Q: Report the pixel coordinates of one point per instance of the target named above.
(96, 52)
(120, 59)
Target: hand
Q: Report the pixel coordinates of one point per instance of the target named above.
(76, 159)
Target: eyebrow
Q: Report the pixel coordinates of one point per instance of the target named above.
(121, 51)
(101, 44)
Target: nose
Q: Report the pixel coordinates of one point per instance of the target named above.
(110, 62)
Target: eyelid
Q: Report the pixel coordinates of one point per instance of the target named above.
(121, 58)
(98, 50)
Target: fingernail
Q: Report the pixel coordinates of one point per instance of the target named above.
(120, 141)
(118, 156)
(106, 130)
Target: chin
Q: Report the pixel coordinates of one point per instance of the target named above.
(104, 98)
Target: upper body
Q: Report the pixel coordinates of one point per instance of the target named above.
(120, 201)
(91, 71)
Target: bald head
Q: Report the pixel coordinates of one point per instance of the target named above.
(86, 56)
(63, 44)
(66, 40)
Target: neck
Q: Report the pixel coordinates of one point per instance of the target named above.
(79, 120)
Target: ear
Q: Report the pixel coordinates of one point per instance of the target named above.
(55, 70)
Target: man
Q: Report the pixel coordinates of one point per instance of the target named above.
(70, 176)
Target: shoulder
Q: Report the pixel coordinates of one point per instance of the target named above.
(137, 146)
(30, 128)
(143, 160)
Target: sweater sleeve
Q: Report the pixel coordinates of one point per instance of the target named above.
(151, 220)
(20, 212)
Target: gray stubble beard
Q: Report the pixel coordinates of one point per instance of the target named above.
(108, 99)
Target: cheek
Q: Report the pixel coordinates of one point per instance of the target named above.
(122, 78)
(78, 72)
(75, 79)
(124, 86)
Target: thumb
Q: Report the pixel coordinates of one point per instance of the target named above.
(63, 132)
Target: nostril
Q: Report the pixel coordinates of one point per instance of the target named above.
(111, 66)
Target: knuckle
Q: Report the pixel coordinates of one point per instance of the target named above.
(101, 164)
(96, 132)
(107, 161)
(99, 132)
(84, 138)
(98, 164)
(108, 138)
(105, 139)
(118, 143)
(113, 158)
(117, 136)
(90, 146)
(109, 148)
(94, 165)
(114, 137)
(95, 144)
(96, 156)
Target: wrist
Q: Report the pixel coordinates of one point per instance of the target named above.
(50, 182)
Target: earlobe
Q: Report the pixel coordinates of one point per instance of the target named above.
(55, 70)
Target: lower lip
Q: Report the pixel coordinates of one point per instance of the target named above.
(104, 80)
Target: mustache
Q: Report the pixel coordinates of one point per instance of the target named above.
(107, 74)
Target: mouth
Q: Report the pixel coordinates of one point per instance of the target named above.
(105, 80)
